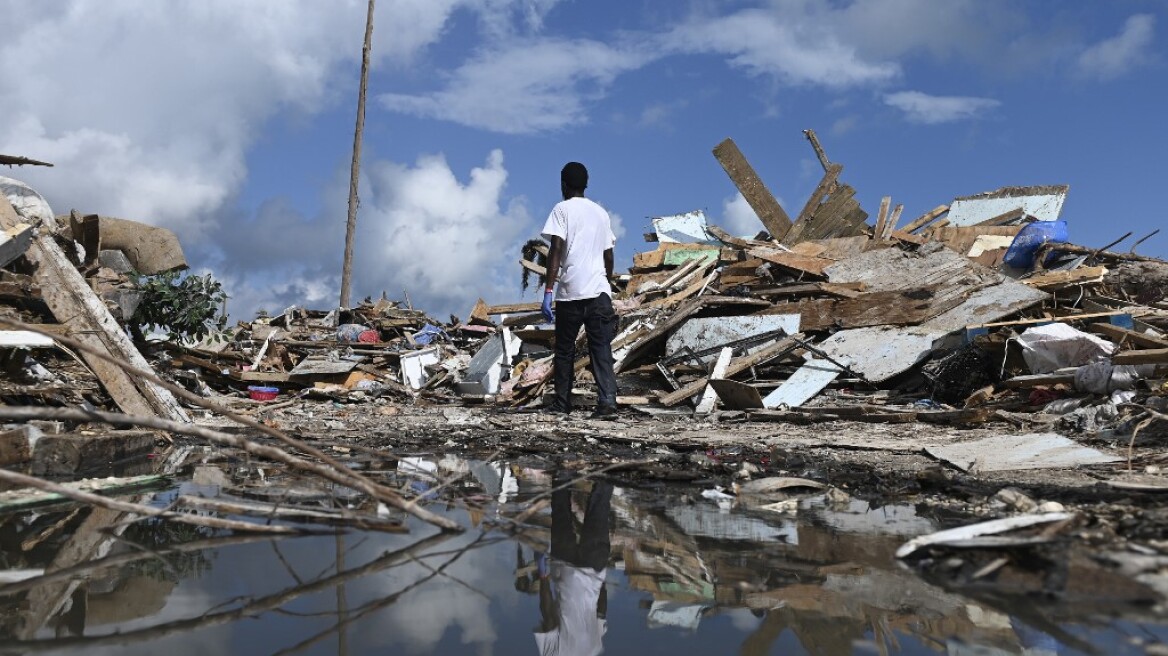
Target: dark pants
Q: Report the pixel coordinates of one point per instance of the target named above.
(593, 547)
(599, 321)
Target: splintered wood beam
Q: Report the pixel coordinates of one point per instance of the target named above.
(823, 161)
(925, 219)
(826, 186)
(882, 216)
(768, 209)
(890, 224)
(1118, 334)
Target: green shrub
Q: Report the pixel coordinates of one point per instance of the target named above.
(185, 306)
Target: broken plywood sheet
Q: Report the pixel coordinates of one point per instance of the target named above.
(708, 332)
(1011, 452)
(1044, 203)
(808, 381)
(737, 396)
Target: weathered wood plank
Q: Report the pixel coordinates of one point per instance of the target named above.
(1117, 334)
(812, 265)
(1145, 356)
(826, 186)
(67, 455)
(898, 308)
(761, 200)
(925, 219)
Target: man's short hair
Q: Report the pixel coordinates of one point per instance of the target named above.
(574, 176)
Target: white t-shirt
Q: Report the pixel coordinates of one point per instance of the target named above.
(587, 233)
(581, 632)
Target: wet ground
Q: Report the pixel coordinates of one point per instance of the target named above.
(628, 564)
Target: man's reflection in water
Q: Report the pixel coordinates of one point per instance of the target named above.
(572, 595)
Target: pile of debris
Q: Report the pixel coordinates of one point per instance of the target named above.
(977, 310)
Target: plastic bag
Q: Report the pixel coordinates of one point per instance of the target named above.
(1021, 253)
(1057, 345)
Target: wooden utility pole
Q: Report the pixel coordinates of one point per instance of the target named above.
(355, 172)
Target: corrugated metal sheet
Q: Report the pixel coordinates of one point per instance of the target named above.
(1043, 203)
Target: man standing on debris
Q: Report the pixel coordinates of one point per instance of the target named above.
(580, 258)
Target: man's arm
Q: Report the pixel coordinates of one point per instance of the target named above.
(555, 255)
(607, 263)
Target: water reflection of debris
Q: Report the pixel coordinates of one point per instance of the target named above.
(824, 575)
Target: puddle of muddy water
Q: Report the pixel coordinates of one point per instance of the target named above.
(601, 567)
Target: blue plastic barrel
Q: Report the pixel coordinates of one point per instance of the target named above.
(1022, 250)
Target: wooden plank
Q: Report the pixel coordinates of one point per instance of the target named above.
(736, 366)
(15, 446)
(68, 455)
(826, 186)
(890, 225)
(479, 315)
(826, 215)
(882, 216)
(710, 396)
(14, 242)
(737, 396)
(75, 305)
(1146, 356)
(1031, 322)
(513, 308)
(729, 239)
(925, 219)
(1118, 335)
(812, 265)
(899, 308)
(841, 290)
(694, 287)
(1004, 218)
(962, 238)
(768, 209)
(1052, 280)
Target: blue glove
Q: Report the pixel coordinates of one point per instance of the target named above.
(549, 315)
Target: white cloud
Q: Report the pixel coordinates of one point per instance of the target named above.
(786, 41)
(532, 86)
(922, 108)
(420, 229)
(1116, 56)
(738, 218)
(149, 111)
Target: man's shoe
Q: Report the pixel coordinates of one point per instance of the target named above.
(555, 409)
(604, 412)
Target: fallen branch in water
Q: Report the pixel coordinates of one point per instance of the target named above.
(264, 451)
(339, 472)
(145, 511)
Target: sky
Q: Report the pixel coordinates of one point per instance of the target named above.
(231, 122)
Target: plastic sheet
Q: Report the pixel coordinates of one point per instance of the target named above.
(1057, 345)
